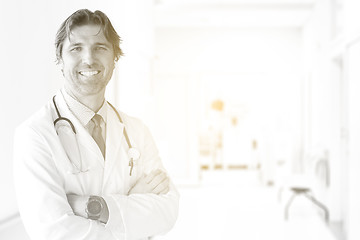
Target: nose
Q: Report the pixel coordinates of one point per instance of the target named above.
(88, 57)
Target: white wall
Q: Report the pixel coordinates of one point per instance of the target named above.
(332, 118)
(324, 100)
(352, 43)
(353, 208)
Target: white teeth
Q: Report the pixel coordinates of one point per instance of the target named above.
(89, 73)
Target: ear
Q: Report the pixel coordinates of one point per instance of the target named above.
(60, 62)
(61, 65)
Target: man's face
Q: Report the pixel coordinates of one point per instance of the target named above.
(87, 60)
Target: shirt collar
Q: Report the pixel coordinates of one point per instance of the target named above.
(103, 110)
(82, 112)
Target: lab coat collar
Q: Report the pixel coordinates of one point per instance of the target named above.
(115, 148)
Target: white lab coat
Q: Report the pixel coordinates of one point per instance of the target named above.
(42, 180)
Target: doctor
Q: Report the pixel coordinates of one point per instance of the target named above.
(82, 169)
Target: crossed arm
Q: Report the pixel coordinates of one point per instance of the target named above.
(48, 213)
(156, 182)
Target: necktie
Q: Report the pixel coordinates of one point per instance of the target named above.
(97, 133)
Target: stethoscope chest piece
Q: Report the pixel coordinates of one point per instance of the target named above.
(133, 154)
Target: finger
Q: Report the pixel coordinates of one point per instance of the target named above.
(161, 187)
(153, 175)
(150, 176)
(165, 191)
(157, 180)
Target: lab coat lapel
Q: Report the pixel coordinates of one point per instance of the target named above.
(115, 149)
(86, 142)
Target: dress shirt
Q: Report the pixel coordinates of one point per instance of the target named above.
(85, 114)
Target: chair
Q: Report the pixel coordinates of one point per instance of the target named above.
(316, 170)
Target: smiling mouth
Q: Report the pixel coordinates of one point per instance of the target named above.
(89, 73)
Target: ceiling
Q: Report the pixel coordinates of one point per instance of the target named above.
(231, 13)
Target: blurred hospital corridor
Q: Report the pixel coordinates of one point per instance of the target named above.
(234, 205)
(253, 106)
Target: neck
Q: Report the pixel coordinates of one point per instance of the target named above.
(94, 101)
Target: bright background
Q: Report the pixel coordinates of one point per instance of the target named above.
(238, 94)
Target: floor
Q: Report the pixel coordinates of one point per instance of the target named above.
(234, 205)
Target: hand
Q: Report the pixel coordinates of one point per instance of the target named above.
(78, 204)
(156, 182)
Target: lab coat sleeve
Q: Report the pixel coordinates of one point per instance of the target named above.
(42, 200)
(144, 215)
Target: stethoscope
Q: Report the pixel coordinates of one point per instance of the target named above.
(133, 153)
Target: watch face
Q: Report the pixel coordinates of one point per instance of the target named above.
(94, 207)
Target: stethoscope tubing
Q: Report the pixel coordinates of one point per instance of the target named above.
(60, 118)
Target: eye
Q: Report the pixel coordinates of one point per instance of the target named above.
(75, 49)
(101, 48)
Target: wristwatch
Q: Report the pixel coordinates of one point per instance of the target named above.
(94, 207)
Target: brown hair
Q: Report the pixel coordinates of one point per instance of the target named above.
(82, 17)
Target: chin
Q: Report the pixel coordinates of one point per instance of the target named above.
(92, 90)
